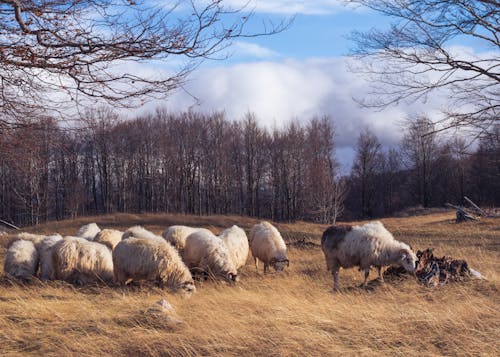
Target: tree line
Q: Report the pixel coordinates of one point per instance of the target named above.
(184, 163)
(206, 164)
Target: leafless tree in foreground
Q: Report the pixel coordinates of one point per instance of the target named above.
(56, 51)
(418, 55)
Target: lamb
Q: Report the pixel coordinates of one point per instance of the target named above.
(268, 246)
(21, 260)
(44, 249)
(176, 235)
(81, 262)
(236, 241)
(88, 231)
(140, 232)
(366, 245)
(109, 237)
(206, 252)
(151, 259)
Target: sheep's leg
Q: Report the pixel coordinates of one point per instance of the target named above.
(266, 268)
(335, 273)
(380, 275)
(256, 265)
(367, 272)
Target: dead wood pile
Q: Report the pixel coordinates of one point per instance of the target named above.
(434, 271)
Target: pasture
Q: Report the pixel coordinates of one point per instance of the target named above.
(293, 313)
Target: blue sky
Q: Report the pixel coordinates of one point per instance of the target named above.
(297, 74)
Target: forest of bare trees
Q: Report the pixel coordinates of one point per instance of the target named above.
(186, 163)
(210, 164)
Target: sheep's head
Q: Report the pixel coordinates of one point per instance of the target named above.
(407, 260)
(279, 264)
(188, 287)
(232, 278)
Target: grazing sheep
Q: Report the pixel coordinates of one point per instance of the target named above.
(109, 237)
(176, 235)
(364, 246)
(35, 238)
(151, 259)
(206, 252)
(268, 246)
(21, 260)
(79, 261)
(44, 249)
(236, 242)
(140, 232)
(88, 231)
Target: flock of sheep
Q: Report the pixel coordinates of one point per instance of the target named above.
(172, 259)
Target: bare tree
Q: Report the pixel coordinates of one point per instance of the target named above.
(55, 50)
(419, 150)
(415, 56)
(366, 166)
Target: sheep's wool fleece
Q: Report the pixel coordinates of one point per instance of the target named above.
(21, 260)
(88, 231)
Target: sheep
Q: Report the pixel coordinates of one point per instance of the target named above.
(140, 232)
(151, 259)
(44, 249)
(176, 235)
(35, 238)
(366, 245)
(109, 237)
(79, 261)
(236, 241)
(268, 246)
(88, 231)
(206, 252)
(21, 260)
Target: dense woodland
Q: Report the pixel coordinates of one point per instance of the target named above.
(210, 164)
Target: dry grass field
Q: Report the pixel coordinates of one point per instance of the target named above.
(294, 313)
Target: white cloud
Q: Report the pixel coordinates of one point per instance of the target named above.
(280, 91)
(247, 49)
(289, 7)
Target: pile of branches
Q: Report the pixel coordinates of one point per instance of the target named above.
(434, 271)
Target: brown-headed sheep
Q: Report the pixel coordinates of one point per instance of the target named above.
(364, 246)
(21, 260)
(207, 253)
(268, 246)
(88, 231)
(236, 242)
(109, 237)
(151, 259)
(79, 261)
(176, 235)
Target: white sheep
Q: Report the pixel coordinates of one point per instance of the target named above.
(176, 235)
(236, 242)
(109, 237)
(88, 231)
(268, 246)
(207, 253)
(364, 246)
(21, 260)
(140, 232)
(44, 249)
(35, 238)
(79, 261)
(151, 259)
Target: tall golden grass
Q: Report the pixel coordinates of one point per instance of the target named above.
(290, 314)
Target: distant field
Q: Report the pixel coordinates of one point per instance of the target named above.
(290, 314)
